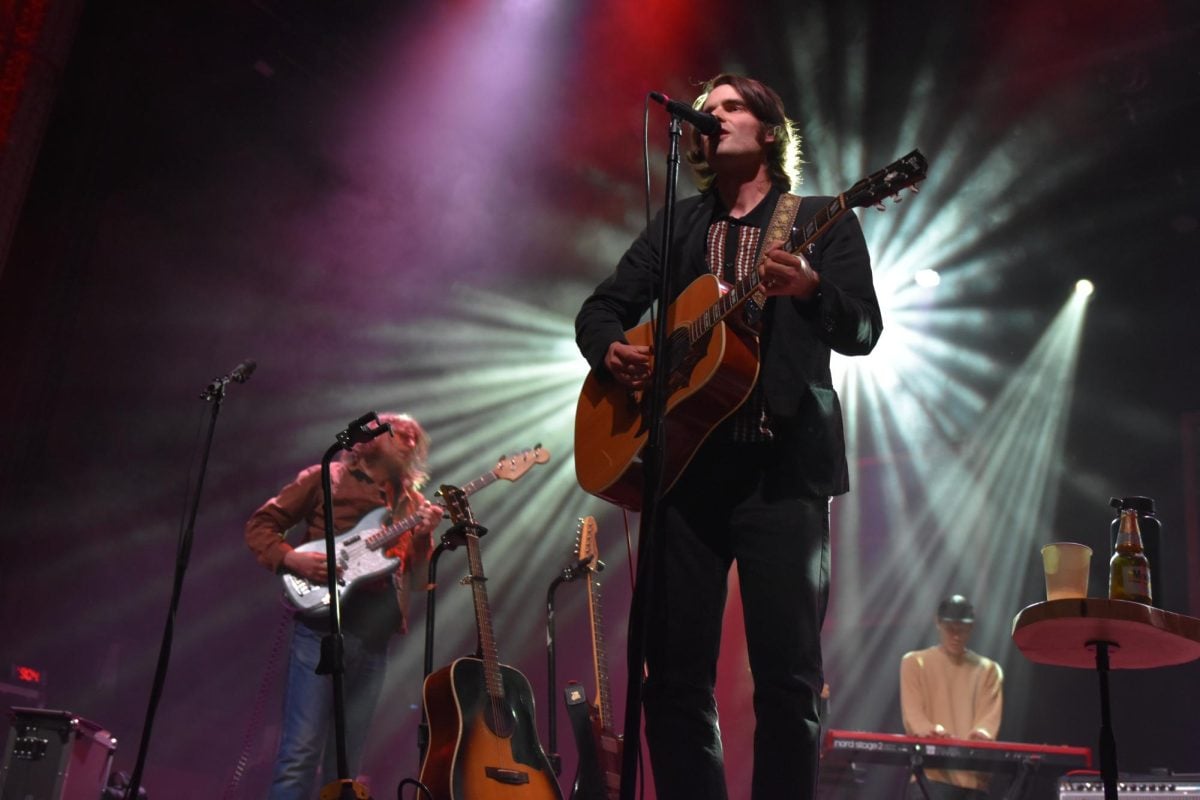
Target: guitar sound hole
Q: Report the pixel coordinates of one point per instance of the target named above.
(501, 720)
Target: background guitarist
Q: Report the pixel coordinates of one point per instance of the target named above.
(758, 489)
(387, 471)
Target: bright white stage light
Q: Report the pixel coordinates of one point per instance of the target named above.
(927, 277)
(1084, 287)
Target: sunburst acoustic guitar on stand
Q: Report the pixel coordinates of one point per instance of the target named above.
(483, 742)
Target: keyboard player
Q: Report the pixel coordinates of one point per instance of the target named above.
(950, 691)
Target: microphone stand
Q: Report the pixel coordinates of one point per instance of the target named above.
(333, 645)
(214, 393)
(649, 546)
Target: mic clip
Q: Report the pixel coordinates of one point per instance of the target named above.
(240, 374)
(358, 431)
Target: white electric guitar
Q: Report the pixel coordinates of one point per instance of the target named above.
(360, 553)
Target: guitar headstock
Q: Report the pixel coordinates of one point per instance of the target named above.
(903, 173)
(585, 542)
(512, 467)
(456, 504)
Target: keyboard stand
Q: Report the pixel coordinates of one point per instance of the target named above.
(916, 765)
(1016, 789)
(1020, 781)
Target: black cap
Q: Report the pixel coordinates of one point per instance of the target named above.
(956, 608)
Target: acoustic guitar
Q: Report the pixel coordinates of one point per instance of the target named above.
(483, 742)
(711, 365)
(599, 746)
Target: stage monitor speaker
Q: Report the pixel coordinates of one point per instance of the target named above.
(1131, 787)
(55, 755)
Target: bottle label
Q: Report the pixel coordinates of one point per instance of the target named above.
(1136, 581)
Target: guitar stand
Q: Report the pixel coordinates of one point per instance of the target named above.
(567, 575)
(452, 539)
(420, 787)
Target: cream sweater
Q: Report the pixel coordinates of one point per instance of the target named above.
(961, 697)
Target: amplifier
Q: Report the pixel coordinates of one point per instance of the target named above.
(1131, 787)
(55, 755)
(20, 695)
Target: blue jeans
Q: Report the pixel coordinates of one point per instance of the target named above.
(307, 739)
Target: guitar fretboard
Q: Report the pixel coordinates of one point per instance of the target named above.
(483, 617)
(388, 534)
(602, 688)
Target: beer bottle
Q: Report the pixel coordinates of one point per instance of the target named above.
(1129, 569)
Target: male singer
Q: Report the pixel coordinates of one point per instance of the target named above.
(758, 489)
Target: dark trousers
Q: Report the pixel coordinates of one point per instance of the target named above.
(728, 506)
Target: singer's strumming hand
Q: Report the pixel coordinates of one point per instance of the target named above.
(628, 363)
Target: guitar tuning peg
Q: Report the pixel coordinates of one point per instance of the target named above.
(915, 189)
(880, 206)
(896, 198)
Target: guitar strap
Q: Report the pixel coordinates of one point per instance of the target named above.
(779, 229)
(780, 226)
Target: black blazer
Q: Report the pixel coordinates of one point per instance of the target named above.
(797, 336)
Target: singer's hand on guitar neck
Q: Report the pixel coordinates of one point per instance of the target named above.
(784, 273)
(628, 363)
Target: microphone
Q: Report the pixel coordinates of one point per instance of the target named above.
(700, 120)
(240, 374)
(363, 421)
